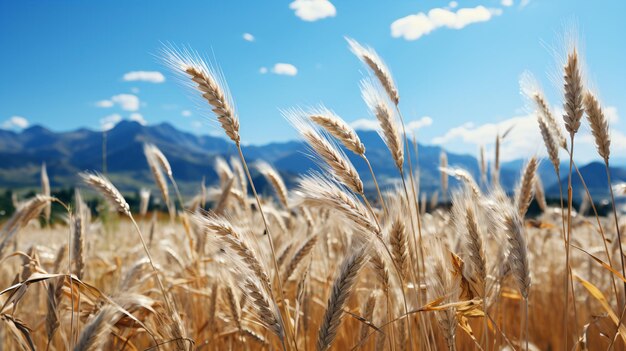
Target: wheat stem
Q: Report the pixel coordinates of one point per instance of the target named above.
(271, 243)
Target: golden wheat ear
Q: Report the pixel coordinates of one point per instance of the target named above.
(370, 58)
(341, 290)
(209, 81)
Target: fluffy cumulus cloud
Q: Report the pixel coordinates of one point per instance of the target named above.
(138, 117)
(522, 141)
(524, 138)
(313, 10)
(372, 124)
(144, 76)
(286, 69)
(414, 126)
(15, 122)
(109, 121)
(453, 4)
(415, 26)
(248, 37)
(126, 102)
(506, 3)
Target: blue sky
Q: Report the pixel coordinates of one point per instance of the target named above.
(64, 63)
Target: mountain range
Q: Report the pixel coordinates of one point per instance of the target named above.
(192, 158)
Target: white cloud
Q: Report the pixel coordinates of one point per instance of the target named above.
(126, 102)
(506, 3)
(372, 124)
(414, 126)
(263, 70)
(524, 140)
(313, 10)
(144, 76)
(453, 4)
(365, 124)
(15, 122)
(185, 113)
(415, 26)
(109, 121)
(248, 37)
(137, 117)
(104, 103)
(285, 69)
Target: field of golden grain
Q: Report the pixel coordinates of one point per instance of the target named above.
(325, 265)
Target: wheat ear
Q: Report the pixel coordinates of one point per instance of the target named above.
(336, 127)
(336, 161)
(159, 179)
(341, 290)
(229, 236)
(319, 191)
(390, 132)
(573, 104)
(599, 125)
(367, 312)
(551, 144)
(378, 67)
(276, 180)
(45, 191)
(526, 187)
(298, 256)
(208, 81)
(94, 334)
(399, 246)
(78, 231)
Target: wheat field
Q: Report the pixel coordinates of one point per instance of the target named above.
(326, 265)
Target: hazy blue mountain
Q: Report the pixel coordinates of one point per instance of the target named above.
(192, 157)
